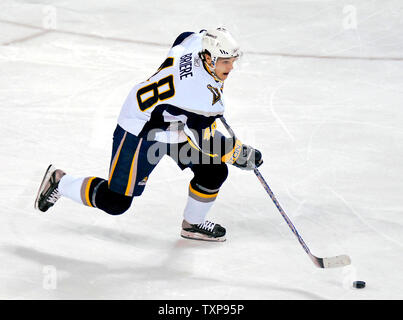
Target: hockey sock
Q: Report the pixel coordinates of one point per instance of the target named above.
(196, 211)
(94, 192)
(199, 202)
(80, 190)
(70, 187)
(107, 200)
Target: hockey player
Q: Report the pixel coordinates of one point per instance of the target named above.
(174, 112)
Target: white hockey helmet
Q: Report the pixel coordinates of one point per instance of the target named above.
(219, 43)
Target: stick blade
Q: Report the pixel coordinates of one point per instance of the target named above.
(332, 262)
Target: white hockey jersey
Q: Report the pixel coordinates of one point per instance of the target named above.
(182, 99)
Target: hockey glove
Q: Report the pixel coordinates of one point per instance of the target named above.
(243, 156)
(249, 158)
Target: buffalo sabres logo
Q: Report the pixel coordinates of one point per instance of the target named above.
(216, 94)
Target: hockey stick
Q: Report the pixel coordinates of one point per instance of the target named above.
(328, 262)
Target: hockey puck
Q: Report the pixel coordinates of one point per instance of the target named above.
(359, 284)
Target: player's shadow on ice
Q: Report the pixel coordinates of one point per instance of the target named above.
(85, 279)
(175, 262)
(151, 241)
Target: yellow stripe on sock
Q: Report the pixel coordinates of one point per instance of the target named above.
(202, 195)
(87, 192)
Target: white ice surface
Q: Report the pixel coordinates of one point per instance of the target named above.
(330, 130)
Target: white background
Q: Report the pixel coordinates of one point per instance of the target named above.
(319, 92)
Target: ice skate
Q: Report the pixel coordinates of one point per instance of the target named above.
(207, 231)
(48, 192)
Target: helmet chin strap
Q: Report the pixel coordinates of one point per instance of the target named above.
(209, 67)
(212, 70)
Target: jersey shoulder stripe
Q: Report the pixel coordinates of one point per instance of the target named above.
(181, 38)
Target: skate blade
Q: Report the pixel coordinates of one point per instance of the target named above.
(200, 237)
(46, 177)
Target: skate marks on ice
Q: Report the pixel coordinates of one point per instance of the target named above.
(363, 220)
(43, 30)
